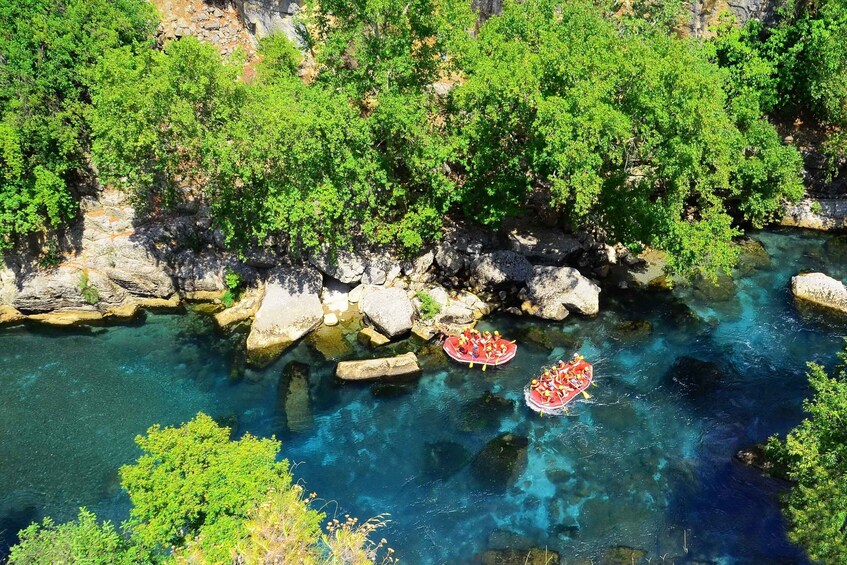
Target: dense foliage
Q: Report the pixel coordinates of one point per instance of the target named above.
(199, 497)
(815, 457)
(405, 116)
(797, 66)
(47, 49)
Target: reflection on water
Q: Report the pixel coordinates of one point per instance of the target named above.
(683, 381)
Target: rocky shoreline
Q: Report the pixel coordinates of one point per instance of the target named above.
(118, 261)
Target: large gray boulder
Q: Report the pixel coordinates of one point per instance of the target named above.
(291, 308)
(501, 268)
(548, 245)
(389, 309)
(821, 290)
(556, 290)
(817, 214)
(367, 369)
(449, 258)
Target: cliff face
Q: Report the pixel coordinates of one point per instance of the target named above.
(706, 13)
(266, 17)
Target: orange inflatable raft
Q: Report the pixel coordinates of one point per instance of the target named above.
(551, 394)
(483, 358)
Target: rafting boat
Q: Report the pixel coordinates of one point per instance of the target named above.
(451, 347)
(552, 394)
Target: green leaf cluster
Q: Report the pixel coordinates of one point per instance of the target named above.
(47, 49)
(199, 497)
(814, 455)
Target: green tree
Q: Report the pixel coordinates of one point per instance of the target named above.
(80, 541)
(631, 132)
(193, 484)
(48, 49)
(814, 455)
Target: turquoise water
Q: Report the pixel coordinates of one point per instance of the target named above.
(646, 462)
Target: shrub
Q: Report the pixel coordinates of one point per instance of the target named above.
(430, 308)
(233, 288)
(89, 292)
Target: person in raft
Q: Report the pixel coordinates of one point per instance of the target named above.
(560, 379)
(479, 344)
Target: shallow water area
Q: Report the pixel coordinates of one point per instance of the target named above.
(684, 380)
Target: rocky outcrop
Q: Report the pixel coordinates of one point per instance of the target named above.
(266, 17)
(9, 315)
(448, 258)
(291, 307)
(389, 309)
(820, 290)
(828, 214)
(546, 245)
(217, 24)
(63, 288)
(372, 338)
(368, 369)
(558, 290)
(500, 268)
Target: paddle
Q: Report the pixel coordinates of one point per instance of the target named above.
(586, 395)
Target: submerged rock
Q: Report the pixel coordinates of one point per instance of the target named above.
(821, 290)
(366, 369)
(290, 308)
(550, 338)
(532, 556)
(722, 289)
(331, 342)
(756, 457)
(486, 412)
(294, 396)
(372, 338)
(622, 555)
(442, 459)
(501, 461)
(753, 256)
(392, 389)
(694, 375)
(633, 329)
(389, 309)
(558, 290)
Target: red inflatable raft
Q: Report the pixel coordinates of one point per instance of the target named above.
(451, 347)
(550, 395)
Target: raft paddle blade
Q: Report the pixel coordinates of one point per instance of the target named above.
(484, 367)
(586, 395)
(471, 365)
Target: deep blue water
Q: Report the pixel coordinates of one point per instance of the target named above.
(646, 462)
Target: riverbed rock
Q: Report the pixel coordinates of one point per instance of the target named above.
(486, 412)
(547, 245)
(501, 461)
(694, 375)
(443, 459)
(755, 457)
(331, 342)
(821, 290)
(720, 289)
(405, 365)
(9, 315)
(67, 317)
(557, 290)
(753, 256)
(622, 555)
(294, 396)
(290, 308)
(246, 307)
(500, 268)
(389, 309)
(532, 556)
(370, 337)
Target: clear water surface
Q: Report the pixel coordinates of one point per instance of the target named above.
(647, 462)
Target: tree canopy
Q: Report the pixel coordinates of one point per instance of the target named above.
(199, 497)
(814, 456)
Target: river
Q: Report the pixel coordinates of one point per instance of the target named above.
(647, 462)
